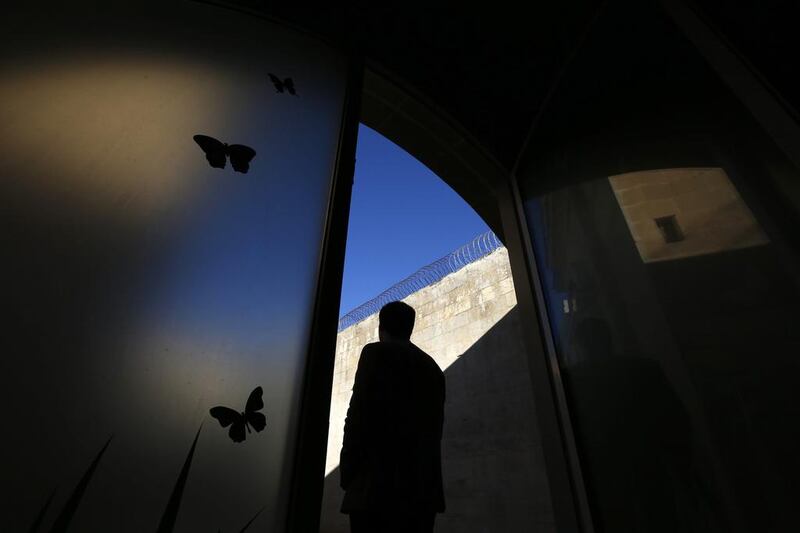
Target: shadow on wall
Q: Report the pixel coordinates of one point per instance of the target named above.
(494, 478)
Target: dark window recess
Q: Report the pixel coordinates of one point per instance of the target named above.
(670, 229)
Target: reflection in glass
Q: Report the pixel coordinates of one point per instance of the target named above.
(699, 207)
(662, 227)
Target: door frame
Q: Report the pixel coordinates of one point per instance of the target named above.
(306, 474)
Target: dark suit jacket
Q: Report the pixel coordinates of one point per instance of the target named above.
(391, 455)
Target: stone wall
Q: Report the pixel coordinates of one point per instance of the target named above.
(491, 452)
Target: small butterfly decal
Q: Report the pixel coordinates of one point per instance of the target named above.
(217, 152)
(281, 85)
(239, 421)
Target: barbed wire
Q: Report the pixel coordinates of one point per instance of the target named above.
(479, 247)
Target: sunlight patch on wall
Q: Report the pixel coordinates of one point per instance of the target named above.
(684, 212)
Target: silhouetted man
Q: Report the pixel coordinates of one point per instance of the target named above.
(390, 463)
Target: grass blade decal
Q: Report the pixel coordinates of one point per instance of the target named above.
(68, 512)
(38, 522)
(167, 522)
(247, 525)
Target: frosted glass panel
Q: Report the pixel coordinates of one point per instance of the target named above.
(143, 285)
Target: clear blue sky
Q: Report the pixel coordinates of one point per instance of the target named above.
(402, 217)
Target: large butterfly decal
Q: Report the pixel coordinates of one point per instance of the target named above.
(239, 421)
(281, 85)
(217, 152)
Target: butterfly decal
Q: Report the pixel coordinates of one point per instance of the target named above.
(217, 152)
(241, 421)
(281, 85)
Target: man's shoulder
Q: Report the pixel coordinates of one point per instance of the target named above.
(370, 347)
(369, 353)
(398, 349)
(427, 357)
(394, 347)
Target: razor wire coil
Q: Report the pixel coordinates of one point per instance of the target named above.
(477, 248)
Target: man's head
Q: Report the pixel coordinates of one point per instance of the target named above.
(396, 322)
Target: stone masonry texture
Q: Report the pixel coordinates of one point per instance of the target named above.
(705, 204)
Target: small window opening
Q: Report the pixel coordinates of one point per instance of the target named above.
(670, 229)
